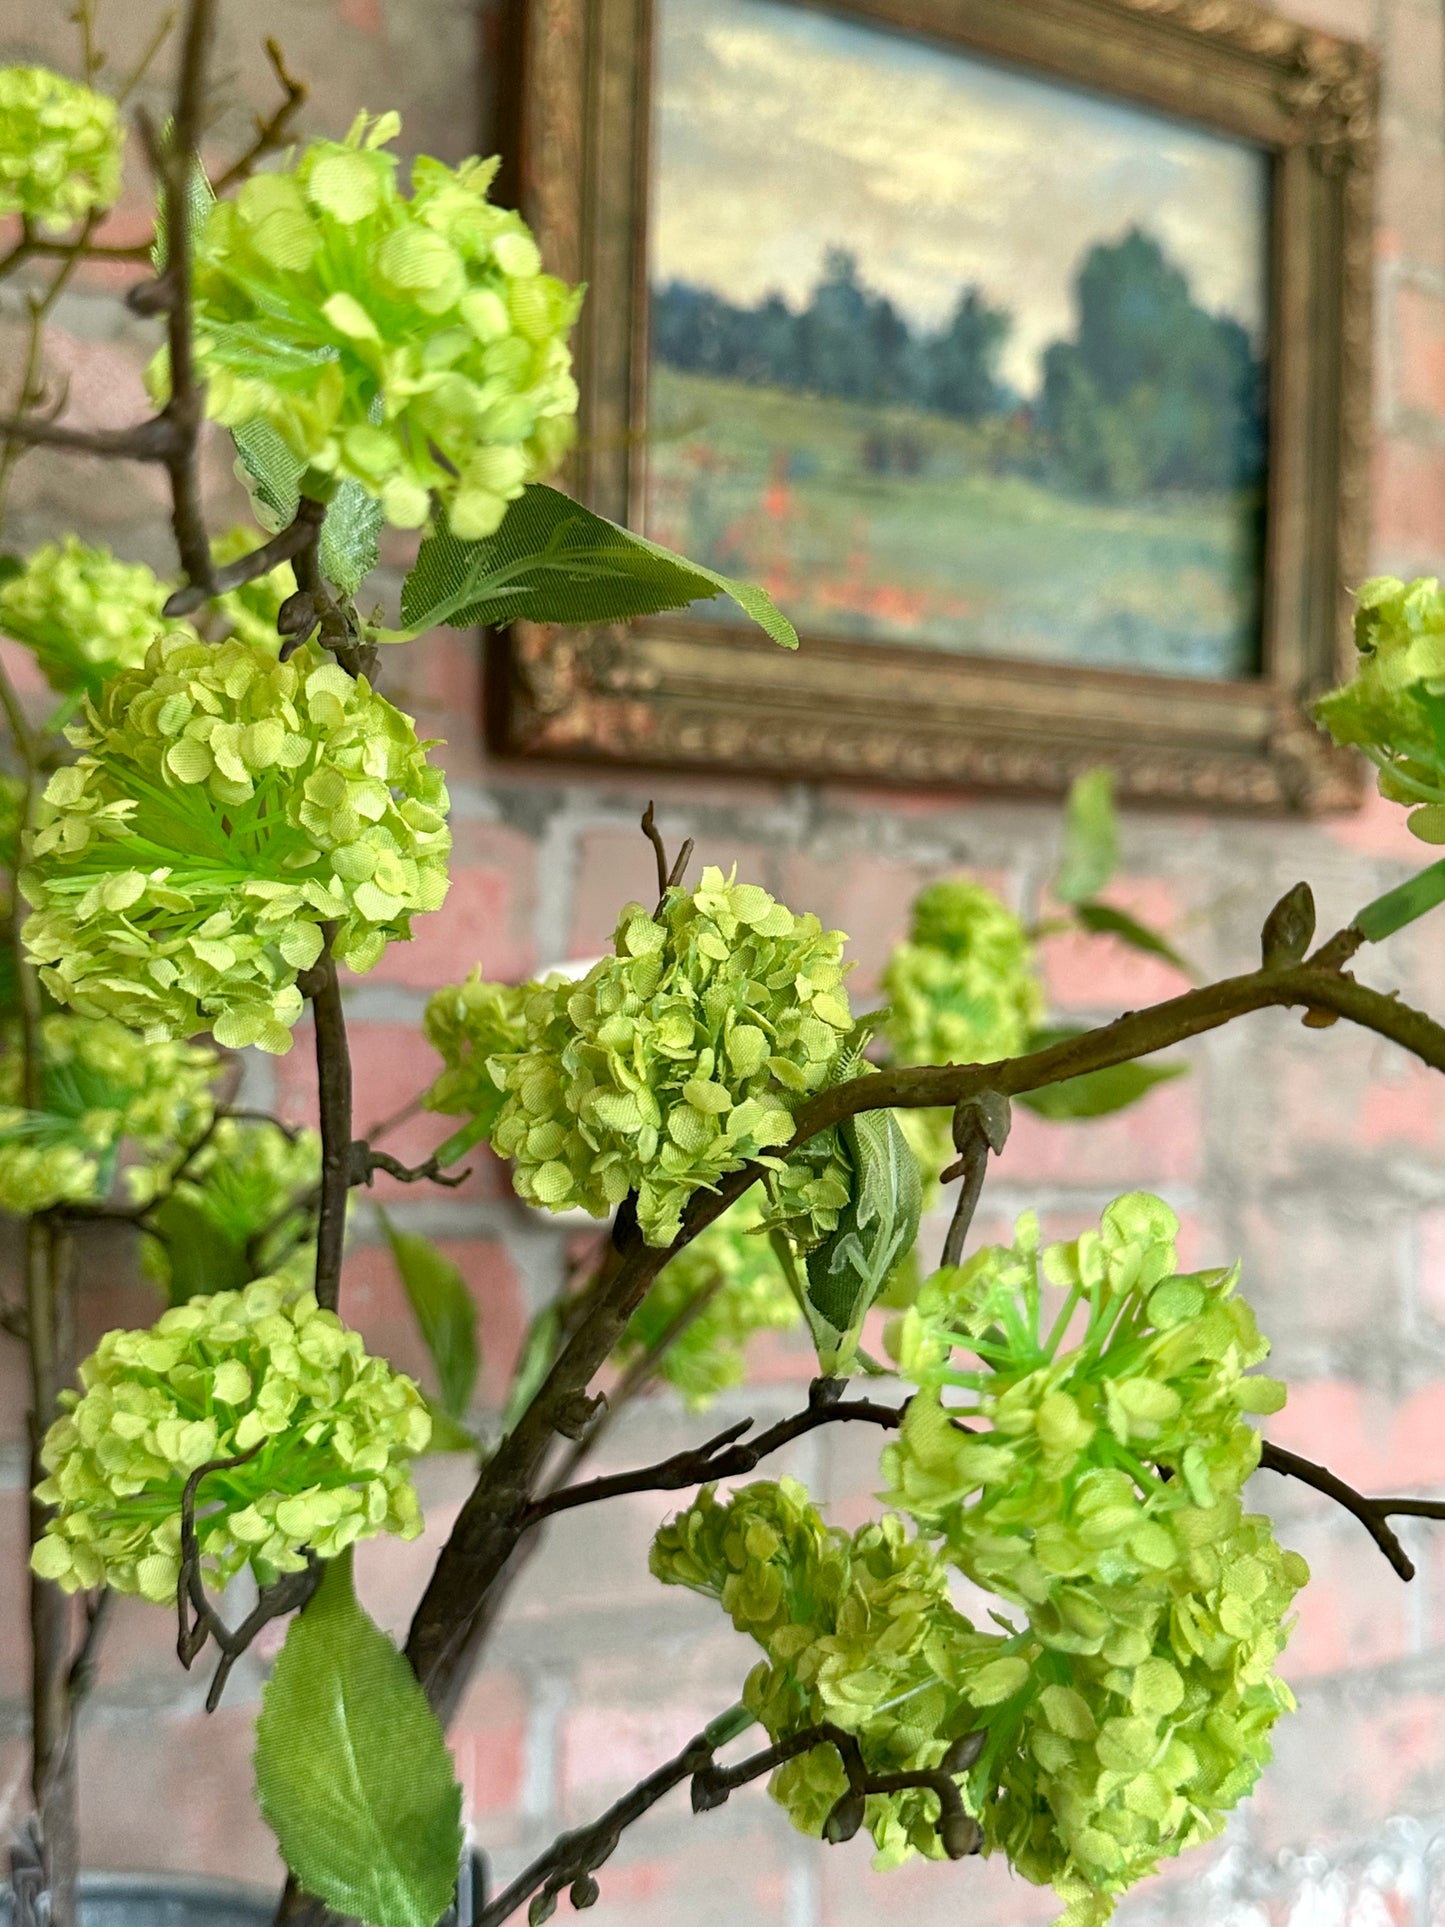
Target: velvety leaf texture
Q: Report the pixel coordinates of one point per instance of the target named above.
(554, 561)
(445, 1312)
(352, 1770)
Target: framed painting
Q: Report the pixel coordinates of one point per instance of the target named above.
(1021, 351)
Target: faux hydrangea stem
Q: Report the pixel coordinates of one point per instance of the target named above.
(333, 1075)
(49, 1291)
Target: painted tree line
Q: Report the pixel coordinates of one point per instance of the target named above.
(1151, 393)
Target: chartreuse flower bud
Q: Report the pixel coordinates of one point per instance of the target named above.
(225, 806)
(260, 1371)
(858, 1629)
(84, 615)
(963, 990)
(100, 1086)
(676, 1059)
(408, 341)
(1394, 706)
(469, 1024)
(60, 148)
(733, 1277)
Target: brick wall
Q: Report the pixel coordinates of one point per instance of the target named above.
(1316, 1157)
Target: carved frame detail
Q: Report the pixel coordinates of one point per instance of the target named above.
(689, 694)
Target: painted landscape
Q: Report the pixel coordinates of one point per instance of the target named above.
(930, 428)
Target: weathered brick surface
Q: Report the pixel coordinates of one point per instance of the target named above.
(1315, 1157)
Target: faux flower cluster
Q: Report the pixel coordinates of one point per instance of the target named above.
(468, 1024)
(100, 1085)
(962, 990)
(60, 148)
(261, 1371)
(225, 806)
(1394, 707)
(676, 1059)
(1096, 1485)
(858, 1630)
(410, 342)
(233, 1211)
(85, 616)
(730, 1284)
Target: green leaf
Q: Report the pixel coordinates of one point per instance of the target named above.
(876, 1229)
(201, 1256)
(461, 1141)
(274, 471)
(1092, 1093)
(538, 1352)
(1402, 905)
(353, 1775)
(446, 1434)
(10, 565)
(446, 1313)
(1090, 854)
(349, 537)
(1103, 920)
(554, 561)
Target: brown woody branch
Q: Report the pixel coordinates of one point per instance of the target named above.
(333, 1072)
(1373, 1514)
(572, 1860)
(199, 1622)
(301, 532)
(722, 1457)
(453, 1612)
(365, 1163)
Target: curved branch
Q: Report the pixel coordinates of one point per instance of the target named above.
(301, 531)
(722, 1457)
(452, 1615)
(1373, 1514)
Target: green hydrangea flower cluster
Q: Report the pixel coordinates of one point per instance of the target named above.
(226, 806)
(1394, 707)
(215, 1378)
(1097, 1486)
(858, 1630)
(233, 1211)
(468, 1024)
(733, 1268)
(962, 990)
(409, 342)
(676, 1059)
(85, 616)
(100, 1085)
(60, 148)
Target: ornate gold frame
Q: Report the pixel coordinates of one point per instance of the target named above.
(690, 694)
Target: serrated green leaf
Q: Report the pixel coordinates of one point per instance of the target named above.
(554, 561)
(349, 537)
(1103, 920)
(1402, 905)
(274, 471)
(353, 1775)
(1090, 853)
(876, 1230)
(1092, 1093)
(445, 1311)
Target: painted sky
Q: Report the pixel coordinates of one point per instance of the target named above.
(782, 131)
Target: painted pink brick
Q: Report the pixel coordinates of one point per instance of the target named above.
(486, 921)
(1157, 1141)
(1355, 1610)
(1408, 1107)
(488, 1742)
(1373, 1444)
(1083, 972)
(615, 867)
(391, 1066)
(871, 899)
(1376, 828)
(610, 1747)
(374, 1301)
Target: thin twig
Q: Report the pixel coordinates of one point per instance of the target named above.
(302, 530)
(980, 1125)
(722, 1457)
(365, 1163)
(81, 1676)
(271, 133)
(1373, 1514)
(333, 1075)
